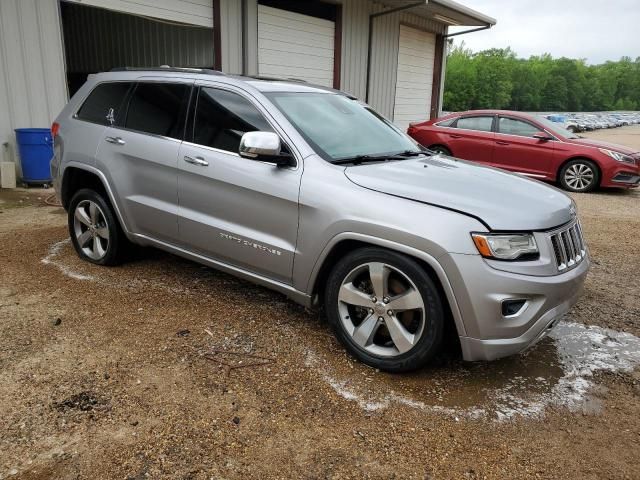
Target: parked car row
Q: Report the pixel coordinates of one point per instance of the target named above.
(531, 145)
(581, 122)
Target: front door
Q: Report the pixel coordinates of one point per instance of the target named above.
(140, 155)
(516, 149)
(239, 211)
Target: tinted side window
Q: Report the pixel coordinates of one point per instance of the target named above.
(482, 124)
(511, 126)
(158, 108)
(103, 98)
(222, 117)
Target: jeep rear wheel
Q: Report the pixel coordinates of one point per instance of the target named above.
(385, 309)
(94, 230)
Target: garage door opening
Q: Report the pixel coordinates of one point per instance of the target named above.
(97, 40)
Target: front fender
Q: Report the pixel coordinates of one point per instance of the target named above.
(398, 247)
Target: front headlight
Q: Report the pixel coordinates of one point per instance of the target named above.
(620, 157)
(505, 246)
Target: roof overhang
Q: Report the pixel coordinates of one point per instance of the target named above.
(451, 13)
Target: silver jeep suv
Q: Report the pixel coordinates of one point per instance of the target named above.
(310, 192)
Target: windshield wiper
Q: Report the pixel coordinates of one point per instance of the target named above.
(411, 153)
(358, 159)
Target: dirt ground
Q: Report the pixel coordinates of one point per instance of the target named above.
(128, 372)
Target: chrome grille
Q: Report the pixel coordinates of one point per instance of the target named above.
(568, 247)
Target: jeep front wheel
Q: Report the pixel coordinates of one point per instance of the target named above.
(385, 309)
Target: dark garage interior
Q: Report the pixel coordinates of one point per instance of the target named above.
(97, 40)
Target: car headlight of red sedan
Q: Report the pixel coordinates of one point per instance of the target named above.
(620, 157)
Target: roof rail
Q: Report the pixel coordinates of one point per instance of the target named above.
(297, 80)
(206, 71)
(268, 78)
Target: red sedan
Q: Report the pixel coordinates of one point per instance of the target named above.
(532, 146)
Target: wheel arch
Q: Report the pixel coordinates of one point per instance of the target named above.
(342, 244)
(80, 176)
(580, 157)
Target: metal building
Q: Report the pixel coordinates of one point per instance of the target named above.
(389, 53)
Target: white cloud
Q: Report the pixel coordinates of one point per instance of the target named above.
(596, 30)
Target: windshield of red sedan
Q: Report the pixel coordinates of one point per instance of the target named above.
(556, 128)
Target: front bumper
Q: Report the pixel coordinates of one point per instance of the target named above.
(622, 175)
(480, 290)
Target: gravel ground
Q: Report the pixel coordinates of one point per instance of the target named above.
(163, 368)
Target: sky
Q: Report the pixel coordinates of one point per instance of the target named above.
(596, 30)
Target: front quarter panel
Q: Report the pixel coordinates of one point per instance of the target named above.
(332, 206)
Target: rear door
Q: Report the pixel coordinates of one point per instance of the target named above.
(472, 137)
(516, 149)
(239, 211)
(139, 155)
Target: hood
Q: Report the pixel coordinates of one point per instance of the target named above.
(588, 142)
(501, 200)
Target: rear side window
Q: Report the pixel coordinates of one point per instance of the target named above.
(511, 126)
(158, 109)
(102, 99)
(446, 123)
(222, 117)
(482, 124)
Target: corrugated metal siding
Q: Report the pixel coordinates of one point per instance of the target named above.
(32, 81)
(196, 12)
(355, 38)
(231, 35)
(99, 39)
(384, 58)
(251, 37)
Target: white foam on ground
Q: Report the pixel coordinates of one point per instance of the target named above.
(581, 352)
(52, 259)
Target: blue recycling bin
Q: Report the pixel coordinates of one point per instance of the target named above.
(36, 150)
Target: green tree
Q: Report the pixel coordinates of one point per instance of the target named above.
(496, 78)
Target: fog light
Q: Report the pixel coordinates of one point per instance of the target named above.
(512, 307)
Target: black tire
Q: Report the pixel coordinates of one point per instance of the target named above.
(114, 246)
(588, 180)
(440, 149)
(428, 339)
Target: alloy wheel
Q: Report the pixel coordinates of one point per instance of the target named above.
(91, 229)
(381, 309)
(579, 176)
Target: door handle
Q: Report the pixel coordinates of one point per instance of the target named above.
(201, 162)
(115, 140)
(500, 142)
(453, 135)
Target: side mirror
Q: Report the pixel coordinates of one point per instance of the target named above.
(264, 147)
(542, 136)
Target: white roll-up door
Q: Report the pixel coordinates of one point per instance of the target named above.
(294, 45)
(416, 55)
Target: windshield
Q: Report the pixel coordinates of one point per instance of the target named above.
(340, 128)
(557, 128)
